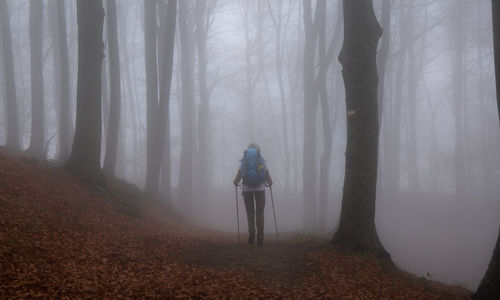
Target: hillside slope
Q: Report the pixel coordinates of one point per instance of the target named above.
(61, 238)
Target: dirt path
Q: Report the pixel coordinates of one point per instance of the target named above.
(285, 262)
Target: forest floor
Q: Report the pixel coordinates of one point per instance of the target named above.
(60, 238)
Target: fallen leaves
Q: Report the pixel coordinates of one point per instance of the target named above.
(62, 239)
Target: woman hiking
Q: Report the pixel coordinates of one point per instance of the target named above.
(254, 175)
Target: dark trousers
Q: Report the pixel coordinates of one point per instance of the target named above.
(253, 210)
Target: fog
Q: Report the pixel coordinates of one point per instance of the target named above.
(437, 208)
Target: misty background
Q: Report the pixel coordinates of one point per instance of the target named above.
(439, 160)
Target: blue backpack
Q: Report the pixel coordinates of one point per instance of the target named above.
(253, 168)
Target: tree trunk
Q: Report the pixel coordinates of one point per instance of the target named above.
(163, 137)
(52, 17)
(150, 40)
(324, 166)
(487, 173)
(381, 95)
(13, 140)
(202, 27)
(357, 230)
(324, 62)
(496, 44)
(130, 102)
(109, 166)
(277, 24)
(85, 154)
(310, 109)
(458, 96)
(104, 99)
(251, 79)
(294, 72)
(187, 120)
(37, 101)
(64, 97)
(412, 106)
(392, 125)
(489, 288)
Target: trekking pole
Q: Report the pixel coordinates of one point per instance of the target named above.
(237, 212)
(274, 212)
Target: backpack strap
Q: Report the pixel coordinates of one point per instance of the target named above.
(261, 168)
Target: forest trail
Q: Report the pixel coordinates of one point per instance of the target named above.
(284, 263)
(60, 238)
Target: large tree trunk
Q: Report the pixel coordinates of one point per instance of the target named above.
(37, 101)
(150, 41)
(85, 155)
(109, 166)
(357, 230)
(489, 288)
(13, 140)
(187, 109)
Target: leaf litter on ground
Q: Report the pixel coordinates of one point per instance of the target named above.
(60, 238)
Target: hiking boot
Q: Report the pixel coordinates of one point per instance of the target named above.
(260, 240)
(251, 238)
